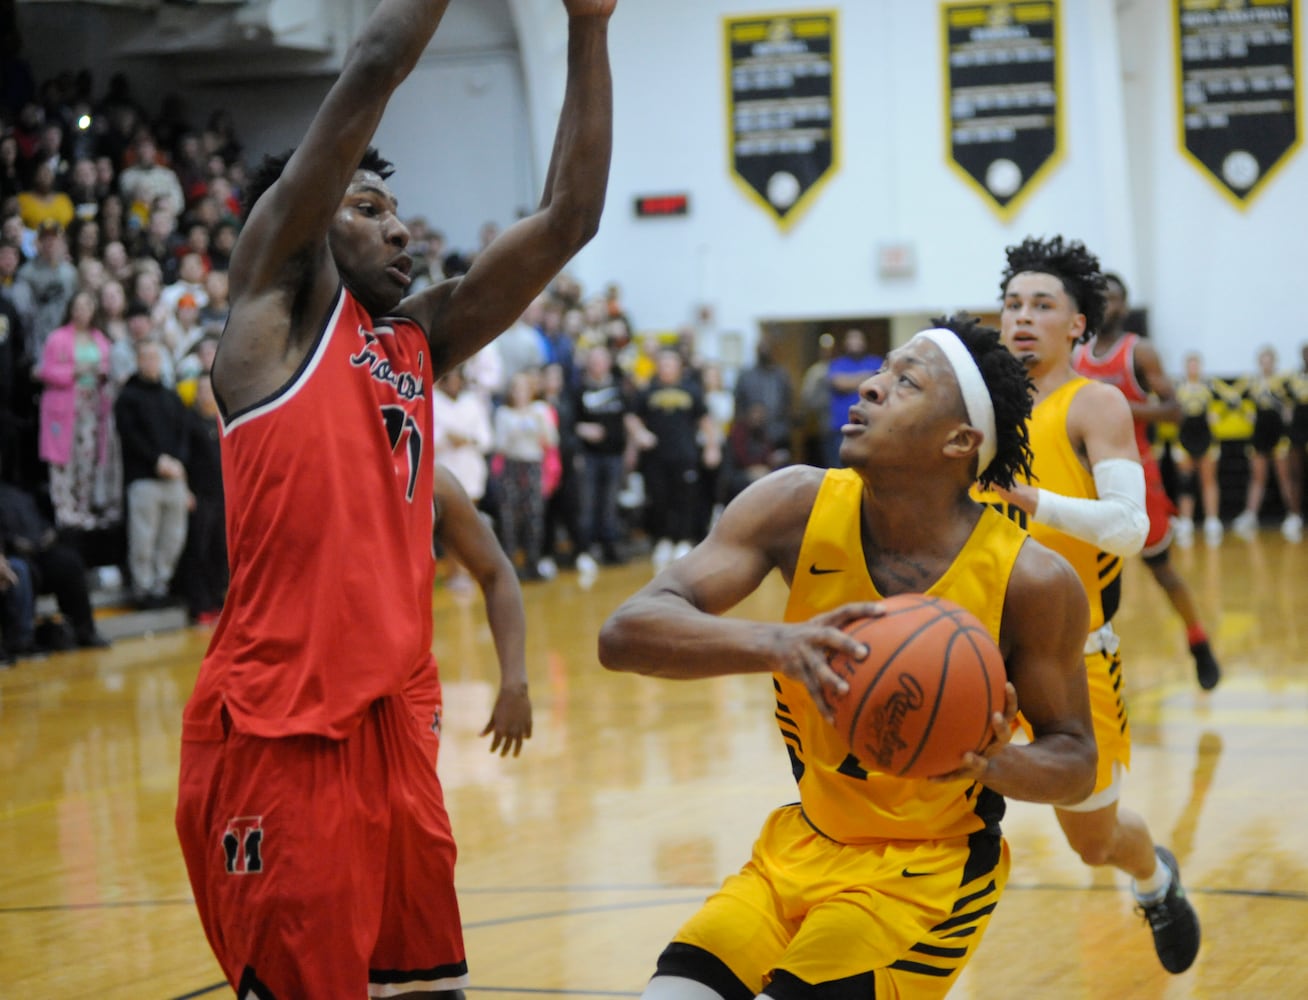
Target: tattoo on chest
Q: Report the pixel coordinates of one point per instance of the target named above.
(899, 573)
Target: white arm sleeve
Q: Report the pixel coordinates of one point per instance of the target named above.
(1116, 521)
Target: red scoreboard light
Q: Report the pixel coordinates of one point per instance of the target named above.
(660, 206)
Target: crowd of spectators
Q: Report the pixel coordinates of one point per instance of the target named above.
(116, 226)
(580, 441)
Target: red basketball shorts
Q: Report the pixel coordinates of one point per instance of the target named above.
(324, 867)
(1159, 507)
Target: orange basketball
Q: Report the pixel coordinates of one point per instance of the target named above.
(925, 692)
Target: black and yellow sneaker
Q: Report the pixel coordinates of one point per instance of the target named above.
(1173, 921)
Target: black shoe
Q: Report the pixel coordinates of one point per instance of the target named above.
(1173, 921)
(91, 639)
(1205, 665)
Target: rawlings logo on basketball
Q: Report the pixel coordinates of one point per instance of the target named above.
(888, 720)
(925, 693)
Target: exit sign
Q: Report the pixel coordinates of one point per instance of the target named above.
(654, 206)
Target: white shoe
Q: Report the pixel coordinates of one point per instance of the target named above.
(1213, 531)
(1246, 525)
(682, 549)
(547, 568)
(586, 565)
(1183, 531)
(662, 554)
(1292, 528)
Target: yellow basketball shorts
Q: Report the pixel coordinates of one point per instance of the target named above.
(1108, 712)
(809, 917)
(1112, 727)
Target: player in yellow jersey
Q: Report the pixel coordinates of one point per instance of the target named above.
(1131, 363)
(873, 885)
(1090, 506)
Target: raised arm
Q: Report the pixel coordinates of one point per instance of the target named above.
(466, 312)
(466, 536)
(1046, 616)
(282, 275)
(672, 626)
(291, 220)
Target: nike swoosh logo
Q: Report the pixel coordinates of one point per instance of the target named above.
(821, 572)
(908, 874)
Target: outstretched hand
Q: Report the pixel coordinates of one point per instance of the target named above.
(976, 766)
(510, 721)
(590, 8)
(806, 649)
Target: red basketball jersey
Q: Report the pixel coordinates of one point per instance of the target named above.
(1117, 367)
(329, 534)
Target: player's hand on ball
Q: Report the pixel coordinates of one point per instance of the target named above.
(976, 766)
(510, 721)
(806, 650)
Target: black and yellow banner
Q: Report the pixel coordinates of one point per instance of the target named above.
(781, 107)
(1002, 95)
(1237, 74)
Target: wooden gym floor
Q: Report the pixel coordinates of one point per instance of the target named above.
(636, 796)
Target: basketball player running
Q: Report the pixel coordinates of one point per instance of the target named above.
(1131, 363)
(1090, 508)
(311, 820)
(872, 884)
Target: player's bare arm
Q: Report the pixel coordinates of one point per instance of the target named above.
(1099, 426)
(671, 628)
(282, 275)
(466, 536)
(1046, 616)
(463, 314)
(1149, 373)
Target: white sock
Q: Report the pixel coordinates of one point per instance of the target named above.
(1153, 888)
(676, 988)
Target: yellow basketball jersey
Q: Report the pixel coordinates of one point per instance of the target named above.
(840, 798)
(1056, 467)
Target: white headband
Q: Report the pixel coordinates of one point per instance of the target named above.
(976, 397)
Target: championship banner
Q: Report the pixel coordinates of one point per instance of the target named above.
(1002, 105)
(1237, 73)
(781, 107)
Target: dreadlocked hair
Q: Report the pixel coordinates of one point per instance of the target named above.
(1010, 393)
(270, 169)
(1072, 264)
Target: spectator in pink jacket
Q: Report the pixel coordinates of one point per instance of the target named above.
(77, 434)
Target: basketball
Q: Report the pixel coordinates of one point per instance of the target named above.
(925, 693)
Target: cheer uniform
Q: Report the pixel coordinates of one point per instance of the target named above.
(311, 820)
(1195, 432)
(1270, 399)
(870, 884)
(1296, 387)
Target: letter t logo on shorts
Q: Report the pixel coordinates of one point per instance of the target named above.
(242, 843)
